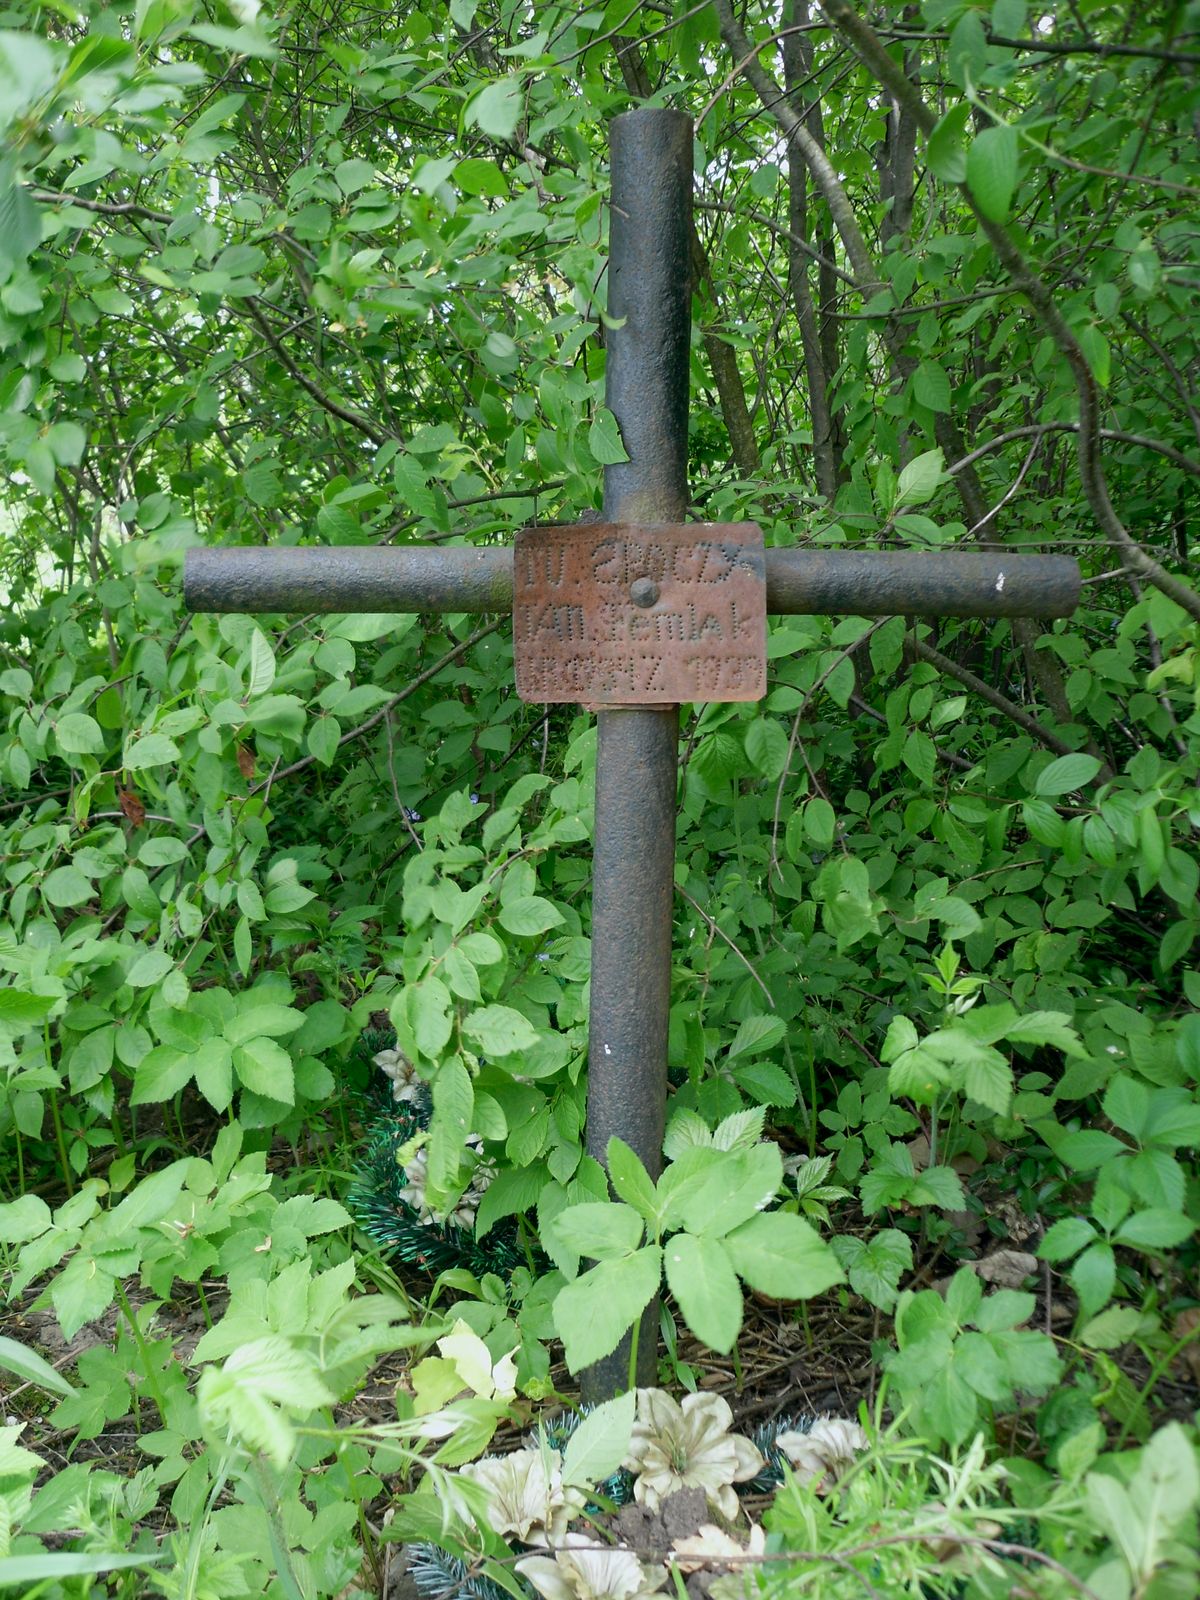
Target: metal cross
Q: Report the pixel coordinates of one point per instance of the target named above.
(646, 387)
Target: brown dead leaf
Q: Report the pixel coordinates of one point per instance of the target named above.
(245, 761)
(1006, 1269)
(1187, 1326)
(133, 808)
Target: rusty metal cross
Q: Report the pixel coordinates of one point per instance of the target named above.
(630, 616)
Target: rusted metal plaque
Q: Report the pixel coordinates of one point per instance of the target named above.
(611, 614)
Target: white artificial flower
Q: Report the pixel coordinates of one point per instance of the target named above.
(823, 1453)
(488, 1379)
(462, 1215)
(592, 1575)
(527, 1498)
(713, 1547)
(394, 1064)
(686, 1446)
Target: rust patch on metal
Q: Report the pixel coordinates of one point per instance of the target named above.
(612, 614)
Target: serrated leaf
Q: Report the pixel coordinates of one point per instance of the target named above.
(767, 1083)
(705, 1288)
(755, 1034)
(601, 1229)
(266, 1068)
(593, 1313)
(630, 1179)
(782, 1256)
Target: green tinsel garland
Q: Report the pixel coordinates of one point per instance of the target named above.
(377, 1197)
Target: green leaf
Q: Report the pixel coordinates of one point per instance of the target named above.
(988, 1079)
(1156, 1229)
(732, 1189)
(30, 1367)
(33, 1572)
(529, 915)
(599, 1229)
(1093, 1277)
(601, 1442)
(430, 1012)
(266, 1068)
(604, 439)
(875, 1266)
(67, 442)
(20, 224)
(631, 1180)
(161, 1073)
(20, 1012)
(78, 734)
(782, 1256)
(920, 478)
(767, 746)
(930, 387)
(1066, 774)
(66, 886)
(593, 1313)
(946, 152)
(766, 1083)
(453, 1108)
(151, 967)
(1087, 1149)
(261, 1387)
(1111, 1329)
(257, 1019)
(1066, 1238)
(153, 750)
(512, 1190)
(497, 108)
(992, 170)
(23, 1219)
(755, 1034)
(499, 1030)
(820, 822)
(261, 673)
(705, 1288)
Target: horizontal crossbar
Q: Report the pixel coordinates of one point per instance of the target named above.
(466, 578)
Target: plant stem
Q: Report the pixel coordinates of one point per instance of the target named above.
(633, 1351)
(56, 1118)
(139, 1339)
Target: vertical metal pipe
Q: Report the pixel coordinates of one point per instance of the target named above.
(646, 387)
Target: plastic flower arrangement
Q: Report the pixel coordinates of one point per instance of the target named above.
(688, 1445)
(575, 1574)
(820, 1456)
(527, 1499)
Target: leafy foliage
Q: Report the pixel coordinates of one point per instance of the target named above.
(336, 276)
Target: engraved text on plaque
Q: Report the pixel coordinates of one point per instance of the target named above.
(626, 614)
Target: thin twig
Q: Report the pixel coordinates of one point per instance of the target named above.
(373, 721)
(720, 932)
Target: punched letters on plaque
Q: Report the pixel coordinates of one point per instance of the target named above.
(608, 614)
